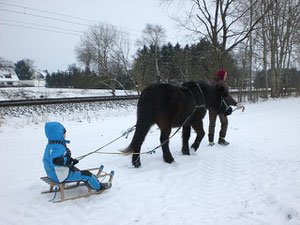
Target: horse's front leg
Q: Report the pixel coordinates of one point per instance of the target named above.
(198, 127)
(186, 133)
(164, 136)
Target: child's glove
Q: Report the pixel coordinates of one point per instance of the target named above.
(74, 162)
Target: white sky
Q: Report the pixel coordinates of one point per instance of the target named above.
(55, 51)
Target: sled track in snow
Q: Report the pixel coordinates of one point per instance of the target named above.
(31, 102)
(220, 170)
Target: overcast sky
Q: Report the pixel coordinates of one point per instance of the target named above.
(55, 51)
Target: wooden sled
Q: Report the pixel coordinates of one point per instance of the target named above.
(67, 185)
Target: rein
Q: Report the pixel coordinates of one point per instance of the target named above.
(126, 133)
(185, 121)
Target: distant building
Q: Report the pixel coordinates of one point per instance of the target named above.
(8, 77)
(38, 79)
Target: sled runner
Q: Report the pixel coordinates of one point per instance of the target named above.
(67, 185)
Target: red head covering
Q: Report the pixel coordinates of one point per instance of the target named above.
(221, 73)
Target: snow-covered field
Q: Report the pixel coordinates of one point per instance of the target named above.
(253, 181)
(16, 93)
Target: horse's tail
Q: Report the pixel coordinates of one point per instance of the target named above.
(143, 124)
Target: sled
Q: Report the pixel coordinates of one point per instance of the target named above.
(68, 185)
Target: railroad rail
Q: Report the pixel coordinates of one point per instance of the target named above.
(48, 101)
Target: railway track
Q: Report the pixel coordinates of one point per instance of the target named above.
(30, 102)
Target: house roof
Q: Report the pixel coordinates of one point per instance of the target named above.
(39, 75)
(8, 75)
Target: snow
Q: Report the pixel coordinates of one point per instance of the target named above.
(253, 181)
(17, 93)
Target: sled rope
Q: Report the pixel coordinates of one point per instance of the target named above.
(153, 151)
(162, 144)
(125, 134)
(55, 191)
(197, 106)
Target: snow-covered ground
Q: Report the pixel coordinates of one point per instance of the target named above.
(253, 181)
(16, 93)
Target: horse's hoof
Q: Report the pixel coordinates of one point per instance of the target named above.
(192, 151)
(185, 151)
(137, 165)
(194, 147)
(169, 160)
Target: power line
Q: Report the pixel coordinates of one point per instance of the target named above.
(64, 15)
(56, 19)
(61, 20)
(36, 28)
(40, 10)
(76, 33)
(41, 25)
(45, 17)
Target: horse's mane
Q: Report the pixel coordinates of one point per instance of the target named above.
(190, 84)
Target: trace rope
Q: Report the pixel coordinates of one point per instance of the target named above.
(197, 106)
(55, 191)
(125, 134)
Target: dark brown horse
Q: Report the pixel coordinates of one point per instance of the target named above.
(174, 106)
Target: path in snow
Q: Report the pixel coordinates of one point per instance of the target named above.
(253, 181)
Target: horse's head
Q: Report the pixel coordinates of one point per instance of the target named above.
(215, 99)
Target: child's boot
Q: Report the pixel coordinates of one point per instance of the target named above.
(105, 186)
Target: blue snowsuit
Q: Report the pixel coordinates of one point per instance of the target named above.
(58, 163)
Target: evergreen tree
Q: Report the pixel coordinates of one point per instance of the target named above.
(169, 69)
(23, 70)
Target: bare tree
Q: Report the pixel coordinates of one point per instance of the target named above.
(221, 22)
(6, 63)
(104, 48)
(84, 53)
(154, 35)
(278, 35)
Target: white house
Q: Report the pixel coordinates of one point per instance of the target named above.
(38, 79)
(8, 77)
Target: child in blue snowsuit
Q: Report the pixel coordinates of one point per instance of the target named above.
(58, 163)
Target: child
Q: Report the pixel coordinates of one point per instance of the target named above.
(58, 163)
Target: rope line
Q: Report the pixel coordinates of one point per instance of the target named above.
(55, 191)
(125, 134)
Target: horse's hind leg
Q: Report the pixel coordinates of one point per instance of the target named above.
(198, 127)
(136, 161)
(137, 140)
(164, 136)
(186, 133)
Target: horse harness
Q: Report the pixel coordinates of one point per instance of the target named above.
(201, 92)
